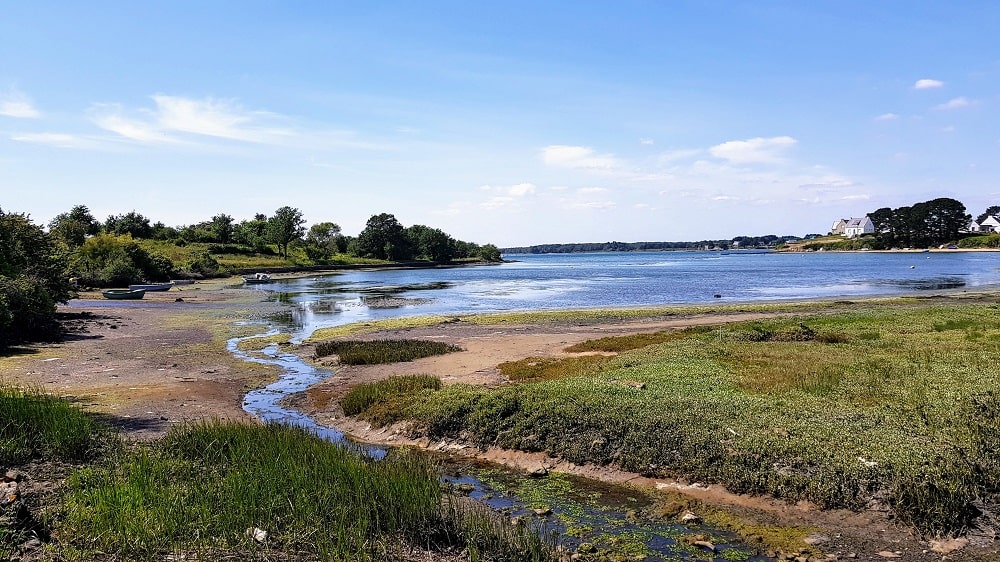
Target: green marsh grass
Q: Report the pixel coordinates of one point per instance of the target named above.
(205, 484)
(381, 401)
(37, 426)
(377, 352)
(876, 406)
(545, 368)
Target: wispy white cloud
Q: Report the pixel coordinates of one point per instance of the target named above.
(17, 104)
(174, 117)
(927, 84)
(887, 117)
(646, 142)
(754, 151)
(577, 157)
(57, 140)
(592, 190)
(956, 103)
(508, 195)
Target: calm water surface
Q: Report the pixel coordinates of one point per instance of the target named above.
(560, 281)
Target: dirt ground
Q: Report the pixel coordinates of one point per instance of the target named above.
(145, 365)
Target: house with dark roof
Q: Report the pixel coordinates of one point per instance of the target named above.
(856, 227)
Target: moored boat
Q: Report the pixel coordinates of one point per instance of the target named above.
(256, 278)
(123, 294)
(152, 286)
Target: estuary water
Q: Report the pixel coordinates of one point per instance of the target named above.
(563, 281)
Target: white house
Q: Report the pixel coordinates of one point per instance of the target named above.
(838, 226)
(989, 224)
(857, 227)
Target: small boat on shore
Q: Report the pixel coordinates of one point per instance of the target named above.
(123, 294)
(152, 287)
(257, 279)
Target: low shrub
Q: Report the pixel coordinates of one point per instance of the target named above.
(545, 368)
(376, 352)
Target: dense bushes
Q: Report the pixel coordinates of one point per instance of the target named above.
(108, 260)
(32, 280)
(988, 241)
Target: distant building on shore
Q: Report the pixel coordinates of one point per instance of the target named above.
(989, 224)
(853, 227)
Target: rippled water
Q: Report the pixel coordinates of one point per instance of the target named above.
(559, 281)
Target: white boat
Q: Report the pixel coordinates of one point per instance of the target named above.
(148, 287)
(256, 278)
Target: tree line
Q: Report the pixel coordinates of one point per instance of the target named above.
(768, 240)
(36, 265)
(921, 225)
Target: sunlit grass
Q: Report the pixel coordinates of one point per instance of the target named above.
(37, 426)
(894, 405)
(273, 492)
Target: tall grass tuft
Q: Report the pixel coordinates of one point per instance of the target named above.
(205, 485)
(377, 352)
(34, 425)
(392, 394)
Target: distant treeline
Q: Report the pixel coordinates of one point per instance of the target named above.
(769, 240)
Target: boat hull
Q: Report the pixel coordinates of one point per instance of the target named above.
(123, 294)
(151, 287)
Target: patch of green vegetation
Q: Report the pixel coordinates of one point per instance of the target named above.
(382, 402)
(906, 419)
(547, 368)
(377, 352)
(619, 344)
(37, 426)
(273, 491)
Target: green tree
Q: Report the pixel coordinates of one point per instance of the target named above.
(284, 227)
(33, 278)
(490, 253)
(221, 227)
(131, 223)
(252, 233)
(384, 238)
(431, 243)
(991, 211)
(324, 239)
(108, 260)
(73, 227)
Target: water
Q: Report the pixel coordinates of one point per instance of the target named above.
(562, 281)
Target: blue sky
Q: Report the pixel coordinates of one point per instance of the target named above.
(505, 122)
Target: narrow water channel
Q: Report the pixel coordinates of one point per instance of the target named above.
(580, 514)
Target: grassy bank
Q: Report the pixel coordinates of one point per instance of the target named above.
(880, 406)
(228, 490)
